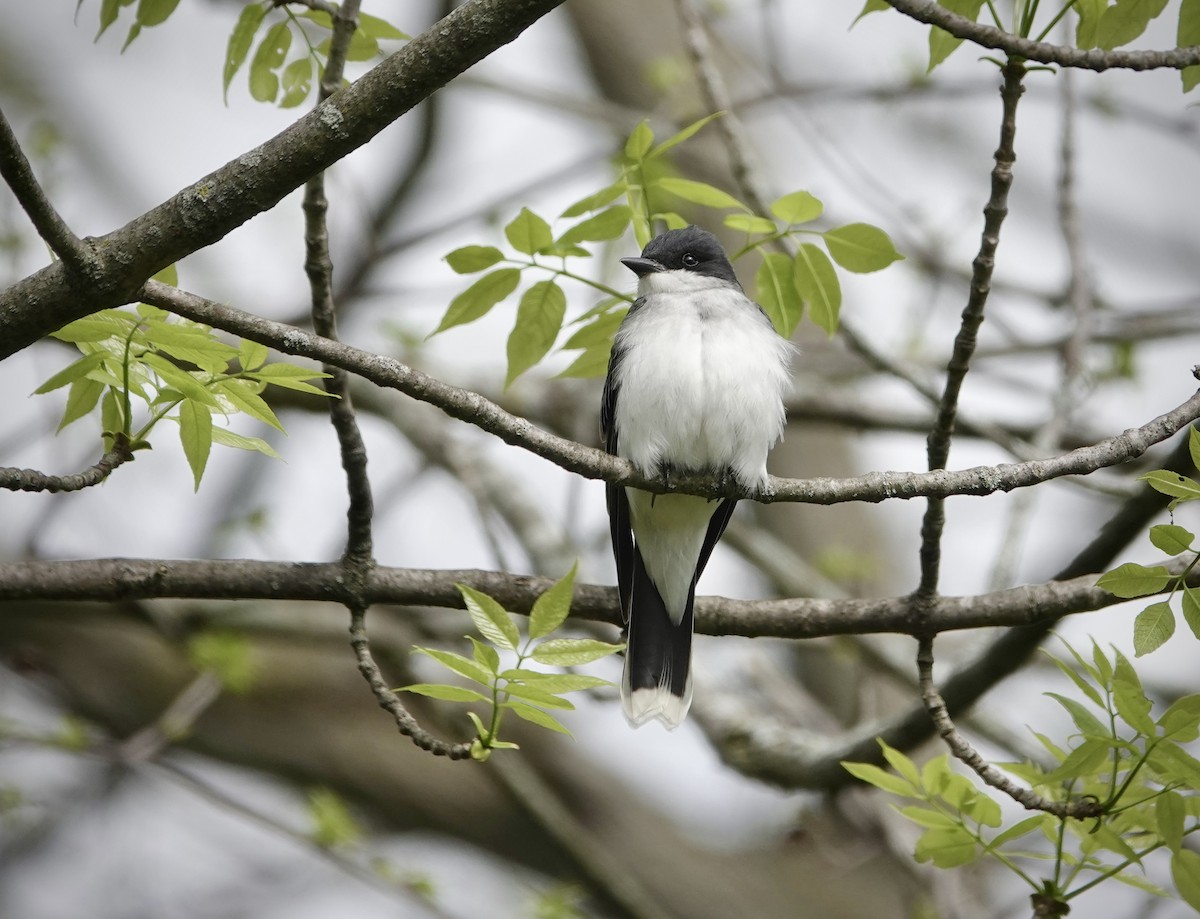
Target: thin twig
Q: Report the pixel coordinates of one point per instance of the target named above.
(17, 172)
(969, 756)
(996, 209)
(14, 479)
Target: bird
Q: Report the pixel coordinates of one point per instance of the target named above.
(695, 384)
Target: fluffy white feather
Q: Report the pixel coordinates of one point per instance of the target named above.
(702, 377)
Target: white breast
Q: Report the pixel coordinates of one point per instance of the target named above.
(701, 381)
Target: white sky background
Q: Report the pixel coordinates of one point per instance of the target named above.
(153, 122)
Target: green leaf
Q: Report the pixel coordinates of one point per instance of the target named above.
(492, 620)
(227, 655)
(362, 46)
(108, 13)
(535, 716)
(818, 285)
(608, 224)
(1191, 610)
(947, 847)
(155, 12)
(475, 302)
(590, 364)
(935, 774)
(861, 248)
(639, 142)
(599, 331)
(333, 824)
(797, 207)
(1132, 705)
(461, 665)
(271, 53)
(1175, 765)
(566, 652)
(926, 816)
(470, 259)
(485, 655)
(1194, 432)
(183, 381)
(1172, 484)
(291, 376)
(1181, 720)
(1089, 12)
(1081, 762)
(380, 29)
(527, 232)
(97, 327)
(901, 763)
(556, 682)
(749, 223)
(538, 696)
(1134, 580)
(1188, 34)
(881, 778)
(242, 395)
(1185, 872)
(252, 355)
(1152, 627)
(81, 399)
(72, 372)
(539, 319)
(446, 692)
(1170, 811)
(699, 193)
(1017, 830)
(941, 42)
(1125, 20)
(687, 133)
(1089, 725)
(296, 82)
(551, 608)
(196, 435)
(596, 199)
(1080, 683)
(872, 6)
(777, 293)
(227, 438)
(1170, 538)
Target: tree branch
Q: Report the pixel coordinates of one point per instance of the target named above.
(206, 211)
(117, 579)
(14, 479)
(592, 463)
(930, 13)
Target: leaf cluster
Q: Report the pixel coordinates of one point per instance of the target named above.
(645, 199)
(180, 370)
(520, 689)
(1135, 765)
(1155, 624)
(278, 75)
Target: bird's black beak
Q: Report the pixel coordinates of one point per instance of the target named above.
(642, 266)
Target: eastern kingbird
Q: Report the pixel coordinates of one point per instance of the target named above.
(695, 384)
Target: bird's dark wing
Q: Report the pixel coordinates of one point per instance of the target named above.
(716, 526)
(618, 504)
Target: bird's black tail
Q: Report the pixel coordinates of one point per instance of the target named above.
(658, 679)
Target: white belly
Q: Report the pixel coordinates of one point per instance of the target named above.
(701, 385)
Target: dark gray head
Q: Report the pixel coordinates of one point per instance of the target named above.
(690, 249)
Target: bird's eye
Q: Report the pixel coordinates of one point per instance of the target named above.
(690, 261)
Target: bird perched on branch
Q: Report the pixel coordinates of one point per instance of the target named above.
(695, 384)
